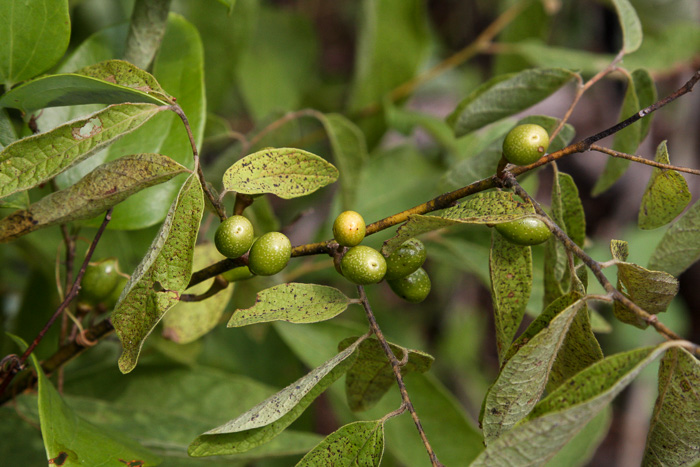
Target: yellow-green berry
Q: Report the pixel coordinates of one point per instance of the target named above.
(234, 236)
(363, 265)
(405, 259)
(413, 288)
(269, 254)
(349, 228)
(525, 144)
(100, 278)
(525, 231)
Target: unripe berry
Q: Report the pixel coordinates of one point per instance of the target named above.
(113, 297)
(349, 228)
(525, 144)
(405, 259)
(269, 254)
(363, 265)
(525, 231)
(413, 288)
(99, 280)
(234, 236)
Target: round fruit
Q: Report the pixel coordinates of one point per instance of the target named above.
(413, 288)
(405, 259)
(234, 236)
(363, 265)
(99, 280)
(525, 144)
(269, 254)
(237, 274)
(349, 228)
(525, 231)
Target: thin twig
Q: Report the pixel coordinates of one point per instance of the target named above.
(642, 160)
(396, 367)
(72, 293)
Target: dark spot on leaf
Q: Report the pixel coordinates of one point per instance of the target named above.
(60, 459)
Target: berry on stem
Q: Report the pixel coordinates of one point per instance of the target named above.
(269, 254)
(234, 236)
(363, 265)
(405, 259)
(413, 288)
(100, 278)
(525, 231)
(525, 144)
(349, 228)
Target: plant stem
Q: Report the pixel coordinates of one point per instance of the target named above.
(72, 293)
(641, 160)
(396, 367)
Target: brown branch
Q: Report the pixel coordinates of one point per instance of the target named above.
(72, 293)
(642, 160)
(396, 367)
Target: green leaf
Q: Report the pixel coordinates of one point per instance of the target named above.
(563, 413)
(33, 37)
(188, 321)
(506, 95)
(7, 130)
(295, 303)
(646, 93)
(680, 246)
(110, 82)
(104, 187)
(350, 153)
(631, 26)
(674, 433)
(30, 161)
(482, 208)
(266, 420)
(540, 54)
(510, 268)
(393, 42)
(179, 68)
(71, 440)
(666, 194)
(626, 140)
(523, 377)
(371, 376)
(651, 290)
(582, 447)
(358, 443)
(285, 172)
(156, 284)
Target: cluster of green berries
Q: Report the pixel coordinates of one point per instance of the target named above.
(524, 145)
(102, 283)
(365, 265)
(267, 255)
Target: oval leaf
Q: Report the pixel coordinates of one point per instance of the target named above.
(371, 376)
(107, 185)
(162, 276)
(188, 321)
(674, 433)
(506, 95)
(510, 267)
(285, 172)
(631, 26)
(523, 378)
(295, 303)
(679, 248)
(267, 420)
(666, 194)
(562, 414)
(109, 82)
(30, 161)
(358, 443)
(33, 37)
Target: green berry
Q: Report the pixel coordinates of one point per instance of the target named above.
(234, 236)
(363, 265)
(525, 144)
(525, 231)
(99, 280)
(349, 228)
(111, 301)
(405, 259)
(269, 254)
(413, 288)
(237, 274)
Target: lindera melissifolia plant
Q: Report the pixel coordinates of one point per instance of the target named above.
(100, 158)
